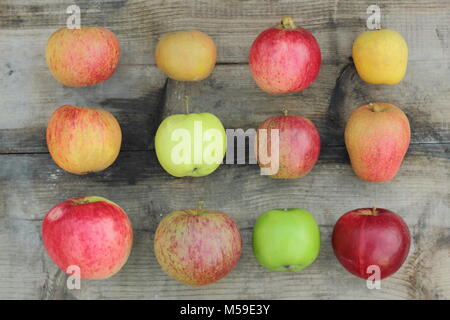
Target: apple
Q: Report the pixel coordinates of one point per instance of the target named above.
(82, 140)
(298, 145)
(186, 55)
(191, 144)
(371, 237)
(284, 58)
(91, 233)
(197, 246)
(286, 239)
(377, 137)
(82, 57)
(380, 56)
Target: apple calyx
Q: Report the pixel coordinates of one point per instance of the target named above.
(287, 23)
(285, 112)
(290, 267)
(376, 107)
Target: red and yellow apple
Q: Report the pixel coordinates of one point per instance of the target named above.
(298, 145)
(377, 137)
(82, 140)
(82, 57)
(186, 55)
(91, 233)
(371, 237)
(196, 246)
(285, 58)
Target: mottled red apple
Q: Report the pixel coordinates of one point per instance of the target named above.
(371, 237)
(285, 58)
(82, 57)
(377, 137)
(196, 246)
(91, 233)
(298, 145)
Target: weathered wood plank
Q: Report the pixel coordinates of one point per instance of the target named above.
(30, 95)
(135, 95)
(234, 24)
(232, 95)
(31, 184)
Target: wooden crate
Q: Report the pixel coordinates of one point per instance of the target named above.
(139, 96)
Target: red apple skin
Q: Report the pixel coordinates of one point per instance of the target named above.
(197, 247)
(285, 58)
(299, 145)
(96, 236)
(361, 239)
(377, 137)
(82, 140)
(82, 57)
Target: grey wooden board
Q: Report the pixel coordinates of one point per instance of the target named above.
(139, 95)
(135, 90)
(147, 194)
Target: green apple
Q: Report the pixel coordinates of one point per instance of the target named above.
(192, 144)
(286, 239)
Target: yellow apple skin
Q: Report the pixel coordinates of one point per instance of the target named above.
(380, 56)
(82, 140)
(186, 55)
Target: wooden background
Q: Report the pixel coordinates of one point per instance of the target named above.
(139, 96)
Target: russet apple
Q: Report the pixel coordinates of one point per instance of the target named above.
(82, 57)
(285, 58)
(286, 239)
(186, 55)
(197, 246)
(380, 56)
(82, 140)
(368, 237)
(191, 144)
(91, 233)
(298, 145)
(377, 137)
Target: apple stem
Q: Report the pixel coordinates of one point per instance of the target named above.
(285, 112)
(375, 107)
(200, 206)
(287, 23)
(186, 104)
(374, 211)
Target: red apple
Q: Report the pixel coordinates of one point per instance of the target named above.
(91, 233)
(371, 236)
(82, 57)
(82, 140)
(377, 137)
(299, 145)
(285, 58)
(197, 247)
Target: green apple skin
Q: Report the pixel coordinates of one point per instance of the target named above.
(286, 239)
(164, 143)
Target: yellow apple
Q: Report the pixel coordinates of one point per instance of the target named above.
(380, 56)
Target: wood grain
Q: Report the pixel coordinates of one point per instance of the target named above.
(31, 184)
(140, 96)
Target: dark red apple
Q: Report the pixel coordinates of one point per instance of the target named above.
(91, 233)
(298, 146)
(285, 58)
(371, 236)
